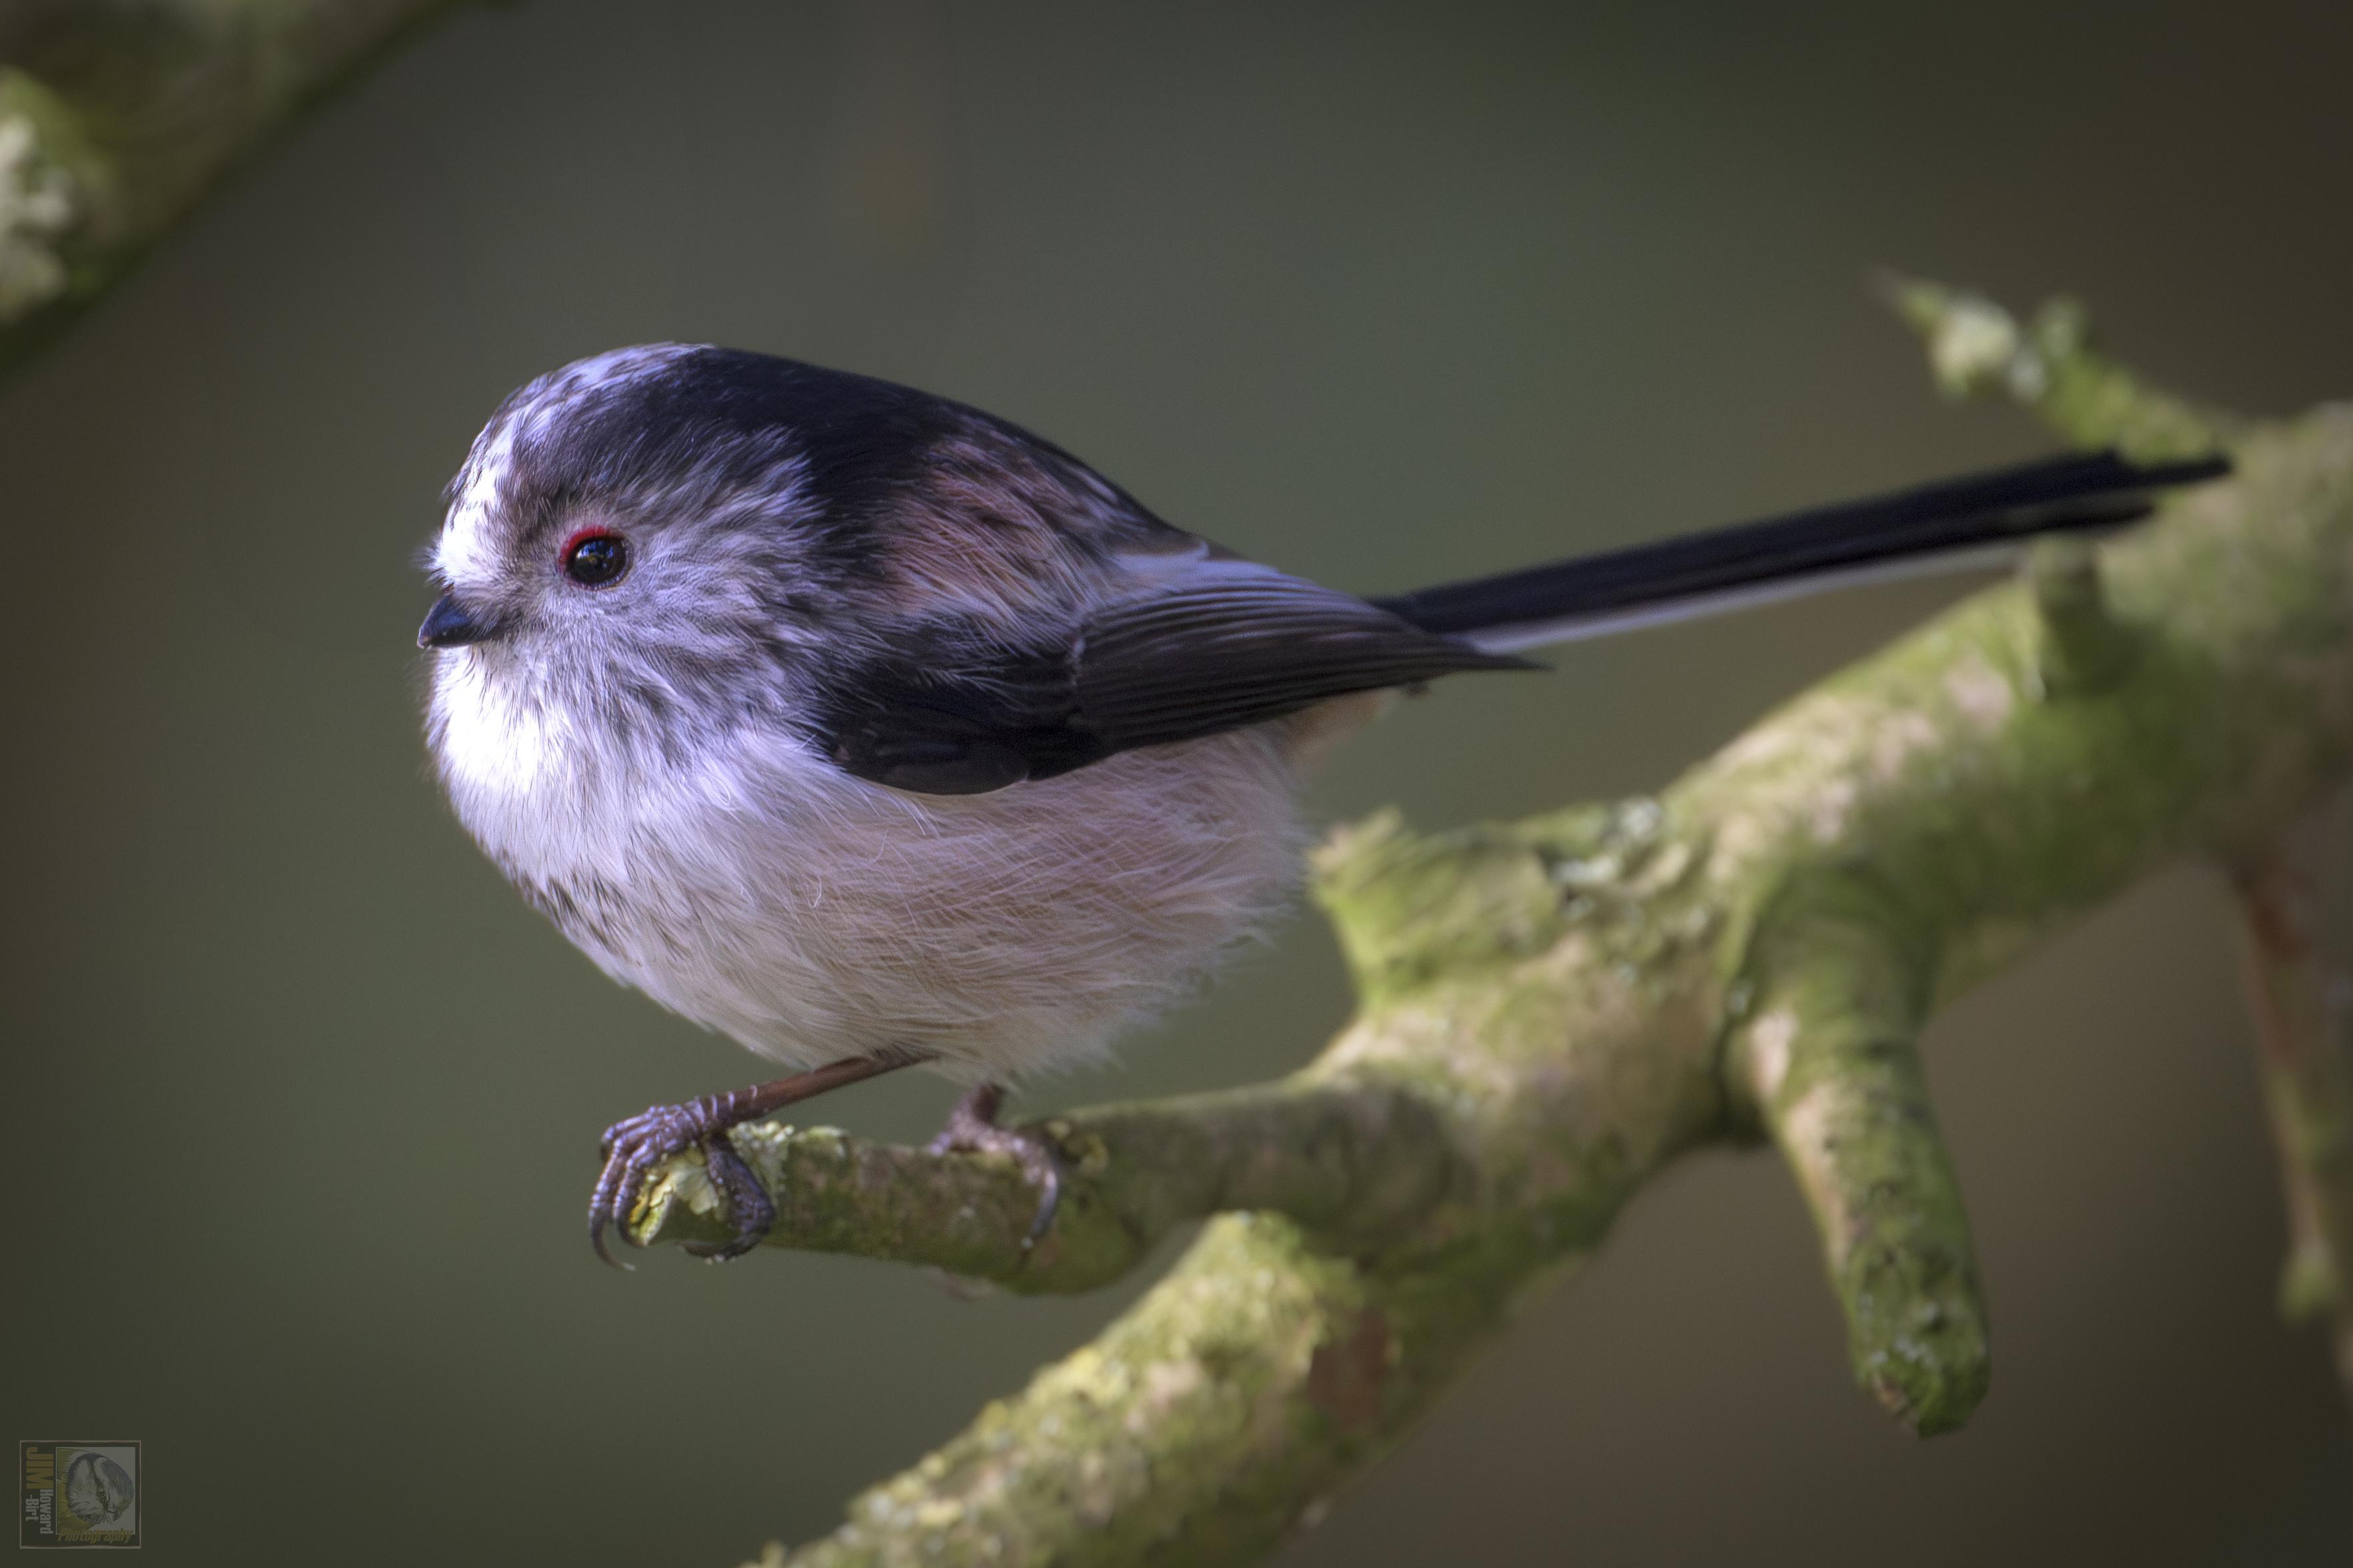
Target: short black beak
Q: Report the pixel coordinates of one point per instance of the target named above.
(448, 625)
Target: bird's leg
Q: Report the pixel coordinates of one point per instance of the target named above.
(631, 1148)
(972, 1127)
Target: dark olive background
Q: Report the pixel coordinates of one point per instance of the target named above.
(300, 1100)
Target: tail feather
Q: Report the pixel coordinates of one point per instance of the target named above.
(1976, 521)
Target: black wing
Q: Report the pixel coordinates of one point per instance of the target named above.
(1229, 646)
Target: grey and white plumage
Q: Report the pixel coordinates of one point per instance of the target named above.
(658, 765)
(904, 735)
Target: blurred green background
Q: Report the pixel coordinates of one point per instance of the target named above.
(301, 1102)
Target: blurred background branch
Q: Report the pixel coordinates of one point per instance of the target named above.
(2301, 990)
(119, 117)
(1554, 1010)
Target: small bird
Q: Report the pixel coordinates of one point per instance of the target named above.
(875, 731)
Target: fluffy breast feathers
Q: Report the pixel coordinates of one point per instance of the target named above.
(661, 766)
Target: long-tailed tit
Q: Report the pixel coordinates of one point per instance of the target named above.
(876, 732)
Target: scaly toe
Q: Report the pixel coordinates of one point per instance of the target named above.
(631, 1148)
(748, 1203)
(1039, 1157)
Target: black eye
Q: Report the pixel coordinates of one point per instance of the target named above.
(593, 559)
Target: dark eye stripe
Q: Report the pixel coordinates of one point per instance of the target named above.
(595, 559)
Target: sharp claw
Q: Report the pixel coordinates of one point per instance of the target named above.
(631, 1151)
(601, 1201)
(632, 1147)
(597, 1239)
(611, 1199)
(972, 1126)
(748, 1203)
(1048, 1177)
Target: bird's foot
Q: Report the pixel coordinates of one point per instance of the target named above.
(634, 1147)
(971, 1129)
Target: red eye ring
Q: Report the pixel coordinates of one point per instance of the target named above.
(594, 557)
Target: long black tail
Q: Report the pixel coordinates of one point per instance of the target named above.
(1975, 521)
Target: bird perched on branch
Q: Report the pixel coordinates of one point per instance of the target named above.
(877, 732)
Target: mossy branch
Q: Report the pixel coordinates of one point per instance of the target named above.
(1354, 1167)
(1826, 1056)
(119, 117)
(1553, 1010)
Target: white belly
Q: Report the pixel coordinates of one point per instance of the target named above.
(760, 892)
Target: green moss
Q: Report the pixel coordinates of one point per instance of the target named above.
(1410, 909)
